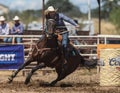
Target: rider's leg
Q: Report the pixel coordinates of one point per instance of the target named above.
(74, 50)
(64, 40)
(64, 44)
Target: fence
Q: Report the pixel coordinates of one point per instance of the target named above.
(86, 45)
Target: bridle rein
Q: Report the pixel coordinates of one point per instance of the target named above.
(48, 34)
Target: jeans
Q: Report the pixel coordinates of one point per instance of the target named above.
(65, 39)
(64, 44)
(17, 40)
(5, 40)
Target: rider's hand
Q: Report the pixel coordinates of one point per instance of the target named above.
(77, 27)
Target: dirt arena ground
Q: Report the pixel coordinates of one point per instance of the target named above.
(81, 81)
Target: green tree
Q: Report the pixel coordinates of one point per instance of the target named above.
(26, 16)
(30, 15)
(114, 17)
(65, 6)
(11, 14)
(108, 6)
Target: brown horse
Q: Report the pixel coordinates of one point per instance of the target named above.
(48, 53)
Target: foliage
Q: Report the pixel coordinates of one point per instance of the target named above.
(113, 12)
(30, 15)
(114, 17)
(106, 7)
(26, 16)
(68, 8)
(109, 11)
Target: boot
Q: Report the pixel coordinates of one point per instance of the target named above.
(75, 51)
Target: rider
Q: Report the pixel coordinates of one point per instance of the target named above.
(51, 13)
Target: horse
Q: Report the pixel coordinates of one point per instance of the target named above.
(48, 53)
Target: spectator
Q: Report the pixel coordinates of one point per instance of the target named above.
(4, 28)
(17, 29)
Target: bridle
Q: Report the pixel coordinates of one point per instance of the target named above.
(50, 34)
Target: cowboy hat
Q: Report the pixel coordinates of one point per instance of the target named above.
(50, 9)
(2, 18)
(16, 18)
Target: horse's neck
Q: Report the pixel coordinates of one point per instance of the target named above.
(41, 43)
(47, 43)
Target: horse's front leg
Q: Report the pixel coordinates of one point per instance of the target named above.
(61, 75)
(60, 72)
(10, 79)
(42, 65)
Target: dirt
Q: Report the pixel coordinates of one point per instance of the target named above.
(81, 81)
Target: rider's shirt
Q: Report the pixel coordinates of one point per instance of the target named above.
(60, 18)
(60, 25)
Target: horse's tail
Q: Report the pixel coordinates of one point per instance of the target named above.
(91, 63)
(87, 63)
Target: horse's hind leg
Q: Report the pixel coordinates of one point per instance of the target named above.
(32, 71)
(17, 71)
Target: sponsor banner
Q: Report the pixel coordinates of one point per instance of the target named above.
(114, 61)
(110, 67)
(11, 56)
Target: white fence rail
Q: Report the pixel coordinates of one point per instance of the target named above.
(86, 43)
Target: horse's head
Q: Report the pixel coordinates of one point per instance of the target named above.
(50, 33)
(49, 39)
(51, 23)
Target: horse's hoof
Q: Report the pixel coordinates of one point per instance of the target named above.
(51, 84)
(9, 80)
(26, 82)
(66, 85)
(47, 85)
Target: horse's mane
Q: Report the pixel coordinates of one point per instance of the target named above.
(42, 40)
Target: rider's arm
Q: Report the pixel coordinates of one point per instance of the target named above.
(67, 19)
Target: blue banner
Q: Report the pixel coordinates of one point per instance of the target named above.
(11, 56)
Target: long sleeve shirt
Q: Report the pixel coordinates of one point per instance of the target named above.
(62, 18)
(17, 27)
(4, 29)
